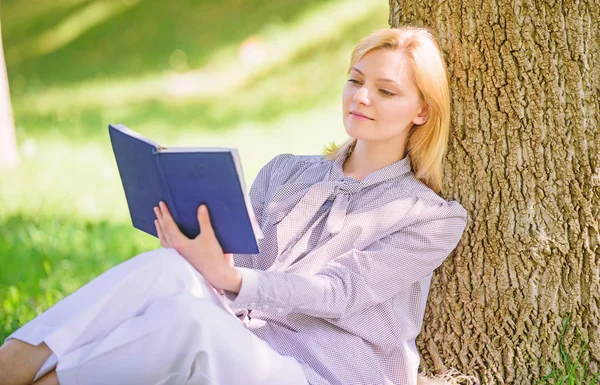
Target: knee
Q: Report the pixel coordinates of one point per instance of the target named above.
(160, 257)
(175, 269)
(186, 306)
(191, 310)
(202, 313)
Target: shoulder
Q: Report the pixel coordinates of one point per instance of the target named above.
(426, 217)
(429, 203)
(285, 166)
(291, 159)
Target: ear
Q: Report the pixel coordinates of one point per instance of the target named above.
(422, 116)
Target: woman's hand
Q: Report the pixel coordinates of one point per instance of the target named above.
(204, 252)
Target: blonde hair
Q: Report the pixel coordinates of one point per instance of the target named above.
(427, 142)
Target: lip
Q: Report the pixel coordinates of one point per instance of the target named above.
(359, 115)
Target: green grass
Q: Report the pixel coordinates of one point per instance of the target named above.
(571, 370)
(306, 51)
(150, 29)
(173, 73)
(47, 257)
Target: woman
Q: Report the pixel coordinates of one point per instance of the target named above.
(338, 292)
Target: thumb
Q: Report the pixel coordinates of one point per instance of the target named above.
(204, 221)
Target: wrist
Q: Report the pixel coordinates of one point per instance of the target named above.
(233, 280)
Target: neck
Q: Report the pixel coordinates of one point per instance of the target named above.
(368, 157)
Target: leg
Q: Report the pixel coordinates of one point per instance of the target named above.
(20, 361)
(179, 340)
(123, 292)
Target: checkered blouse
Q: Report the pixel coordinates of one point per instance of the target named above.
(342, 278)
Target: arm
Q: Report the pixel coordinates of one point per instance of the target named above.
(204, 251)
(359, 279)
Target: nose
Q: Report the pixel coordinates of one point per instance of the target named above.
(362, 96)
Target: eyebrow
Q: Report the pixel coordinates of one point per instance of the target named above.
(380, 79)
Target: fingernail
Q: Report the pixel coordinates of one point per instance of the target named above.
(203, 209)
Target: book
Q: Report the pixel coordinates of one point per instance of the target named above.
(185, 178)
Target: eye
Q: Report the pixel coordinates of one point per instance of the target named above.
(353, 81)
(387, 93)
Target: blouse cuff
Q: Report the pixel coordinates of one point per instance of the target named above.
(253, 296)
(246, 298)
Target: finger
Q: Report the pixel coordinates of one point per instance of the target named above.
(165, 242)
(158, 213)
(204, 221)
(161, 237)
(168, 226)
(164, 211)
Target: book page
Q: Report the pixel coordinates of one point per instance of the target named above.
(238, 165)
(196, 149)
(137, 135)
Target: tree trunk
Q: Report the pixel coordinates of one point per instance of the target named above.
(9, 156)
(523, 160)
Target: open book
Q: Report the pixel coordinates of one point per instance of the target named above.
(184, 178)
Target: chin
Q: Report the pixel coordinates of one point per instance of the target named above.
(362, 134)
(358, 131)
(369, 137)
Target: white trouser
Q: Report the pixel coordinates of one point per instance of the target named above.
(154, 320)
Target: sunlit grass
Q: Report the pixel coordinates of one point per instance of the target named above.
(68, 30)
(25, 20)
(140, 41)
(80, 179)
(313, 76)
(46, 257)
(322, 35)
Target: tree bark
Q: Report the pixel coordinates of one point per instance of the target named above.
(523, 160)
(9, 156)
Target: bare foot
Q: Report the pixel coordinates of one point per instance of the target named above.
(20, 361)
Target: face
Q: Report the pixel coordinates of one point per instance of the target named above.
(381, 101)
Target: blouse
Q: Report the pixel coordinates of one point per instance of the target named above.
(344, 268)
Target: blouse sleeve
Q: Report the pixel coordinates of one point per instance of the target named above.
(359, 279)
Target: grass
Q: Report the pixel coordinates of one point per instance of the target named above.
(571, 370)
(177, 74)
(210, 87)
(46, 258)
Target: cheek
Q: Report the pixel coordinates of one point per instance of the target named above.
(347, 96)
(398, 113)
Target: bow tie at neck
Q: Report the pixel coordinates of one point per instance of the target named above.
(337, 188)
(295, 223)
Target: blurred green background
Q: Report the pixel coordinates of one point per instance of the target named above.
(263, 76)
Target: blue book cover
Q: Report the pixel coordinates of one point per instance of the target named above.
(184, 178)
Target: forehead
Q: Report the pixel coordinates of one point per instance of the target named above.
(385, 63)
